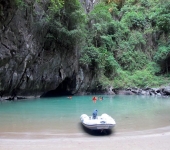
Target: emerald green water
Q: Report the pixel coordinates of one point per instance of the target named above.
(61, 115)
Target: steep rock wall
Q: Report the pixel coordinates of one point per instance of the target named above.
(29, 63)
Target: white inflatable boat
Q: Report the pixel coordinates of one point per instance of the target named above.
(99, 123)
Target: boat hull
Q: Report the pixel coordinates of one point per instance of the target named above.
(103, 122)
(99, 127)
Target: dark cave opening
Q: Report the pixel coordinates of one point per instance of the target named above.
(65, 88)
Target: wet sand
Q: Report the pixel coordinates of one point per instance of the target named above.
(155, 139)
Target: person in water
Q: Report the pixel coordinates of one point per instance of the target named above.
(101, 98)
(94, 98)
(69, 97)
(95, 114)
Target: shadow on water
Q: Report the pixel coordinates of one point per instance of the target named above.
(96, 132)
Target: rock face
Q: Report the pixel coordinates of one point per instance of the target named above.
(88, 4)
(29, 63)
(161, 91)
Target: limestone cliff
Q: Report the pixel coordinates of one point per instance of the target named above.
(29, 63)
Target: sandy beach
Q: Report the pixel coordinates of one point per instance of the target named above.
(156, 139)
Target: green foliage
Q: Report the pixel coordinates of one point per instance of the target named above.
(89, 54)
(162, 53)
(19, 2)
(132, 60)
(136, 38)
(145, 3)
(122, 80)
(134, 19)
(117, 48)
(100, 14)
(163, 17)
(111, 67)
(140, 78)
(144, 78)
(99, 43)
(104, 81)
(55, 5)
(120, 41)
(153, 68)
(66, 20)
(121, 32)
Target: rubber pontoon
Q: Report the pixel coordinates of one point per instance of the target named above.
(99, 123)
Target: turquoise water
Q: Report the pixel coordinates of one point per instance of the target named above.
(61, 115)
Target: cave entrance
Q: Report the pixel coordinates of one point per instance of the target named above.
(65, 88)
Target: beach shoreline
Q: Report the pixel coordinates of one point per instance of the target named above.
(157, 139)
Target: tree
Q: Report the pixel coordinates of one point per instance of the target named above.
(66, 21)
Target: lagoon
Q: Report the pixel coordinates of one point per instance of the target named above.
(60, 115)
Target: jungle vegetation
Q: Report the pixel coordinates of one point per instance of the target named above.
(125, 43)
